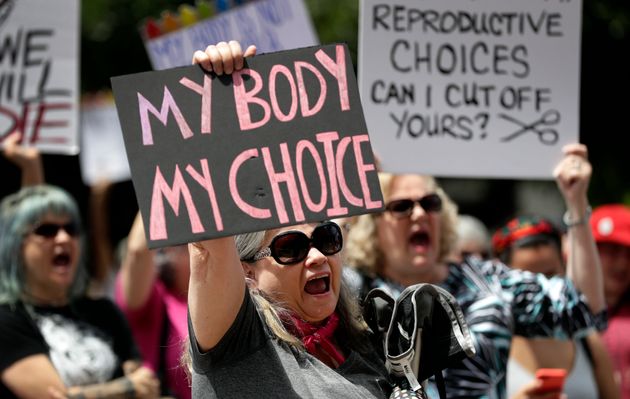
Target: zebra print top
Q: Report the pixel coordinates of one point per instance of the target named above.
(499, 302)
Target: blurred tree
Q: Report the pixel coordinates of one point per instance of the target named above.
(605, 87)
(111, 45)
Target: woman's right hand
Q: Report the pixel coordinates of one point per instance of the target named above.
(532, 391)
(143, 381)
(223, 57)
(28, 159)
(145, 384)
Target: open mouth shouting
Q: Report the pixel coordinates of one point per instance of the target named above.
(420, 241)
(318, 284)
(62, 262)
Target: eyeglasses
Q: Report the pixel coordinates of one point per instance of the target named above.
(50, 230)
(291, 247)
(403, 207)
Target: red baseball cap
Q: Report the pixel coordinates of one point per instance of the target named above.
(611, 223)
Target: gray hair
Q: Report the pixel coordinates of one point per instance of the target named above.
(248, 244)
(19, 214)
(471, 229)
(351, 324)
(351, 319)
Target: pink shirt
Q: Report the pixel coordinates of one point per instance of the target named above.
(618, 343)
(147, 325)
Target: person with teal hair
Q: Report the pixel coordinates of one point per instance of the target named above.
(53, 339)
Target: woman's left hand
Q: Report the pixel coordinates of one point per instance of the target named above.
(533, 391)
(573, 175)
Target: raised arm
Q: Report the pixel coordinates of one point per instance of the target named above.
(102, 249)
(138, 271)
(572, 175)
(217, 280)
(217, 286)
(28, 159)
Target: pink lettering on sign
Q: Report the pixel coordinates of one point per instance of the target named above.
(362, 168)
(205, 181)
(168, 104)
(206, 100)
(244, 98)
(341, 176)
(306, 110)
(338, 70)
(272, 93)
(327, 138)
(161, 189)
(287, 177)
(258, 213)
(303, 145)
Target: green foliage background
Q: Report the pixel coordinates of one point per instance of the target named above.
(111, 45)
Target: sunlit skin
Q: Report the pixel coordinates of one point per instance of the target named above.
(407, 259)
(286, 283)
(542, 258)
(615, 259)
(50, 263)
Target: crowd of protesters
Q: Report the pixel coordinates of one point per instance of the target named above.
(278, 313)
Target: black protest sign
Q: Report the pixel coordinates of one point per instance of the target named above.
(281, 142)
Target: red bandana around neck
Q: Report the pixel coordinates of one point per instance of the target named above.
(318, 339)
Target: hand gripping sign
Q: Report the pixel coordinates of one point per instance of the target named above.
(280, 142)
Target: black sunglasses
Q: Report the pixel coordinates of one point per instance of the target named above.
(50, 230)
(291, 247)
(404, 207)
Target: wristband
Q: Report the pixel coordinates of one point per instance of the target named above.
(569, 222)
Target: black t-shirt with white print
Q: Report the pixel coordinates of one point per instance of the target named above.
(87, 341)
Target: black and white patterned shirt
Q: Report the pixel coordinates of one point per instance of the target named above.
(499, 302)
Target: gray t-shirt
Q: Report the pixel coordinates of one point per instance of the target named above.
(249, 363)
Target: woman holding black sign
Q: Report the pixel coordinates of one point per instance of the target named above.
(270, 315)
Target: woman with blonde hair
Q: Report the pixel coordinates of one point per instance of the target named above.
(409, 243)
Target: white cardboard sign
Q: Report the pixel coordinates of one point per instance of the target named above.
(272, 25)
(470, 88)
(103, 155)
(39, 73)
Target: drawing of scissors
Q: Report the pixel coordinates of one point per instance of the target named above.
(546, 135)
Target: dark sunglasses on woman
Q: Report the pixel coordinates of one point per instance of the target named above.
(50, 230)
(404, 207)
(291, 247)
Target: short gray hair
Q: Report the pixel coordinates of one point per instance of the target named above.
(248, 244)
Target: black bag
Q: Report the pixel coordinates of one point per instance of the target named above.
(421, 333)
